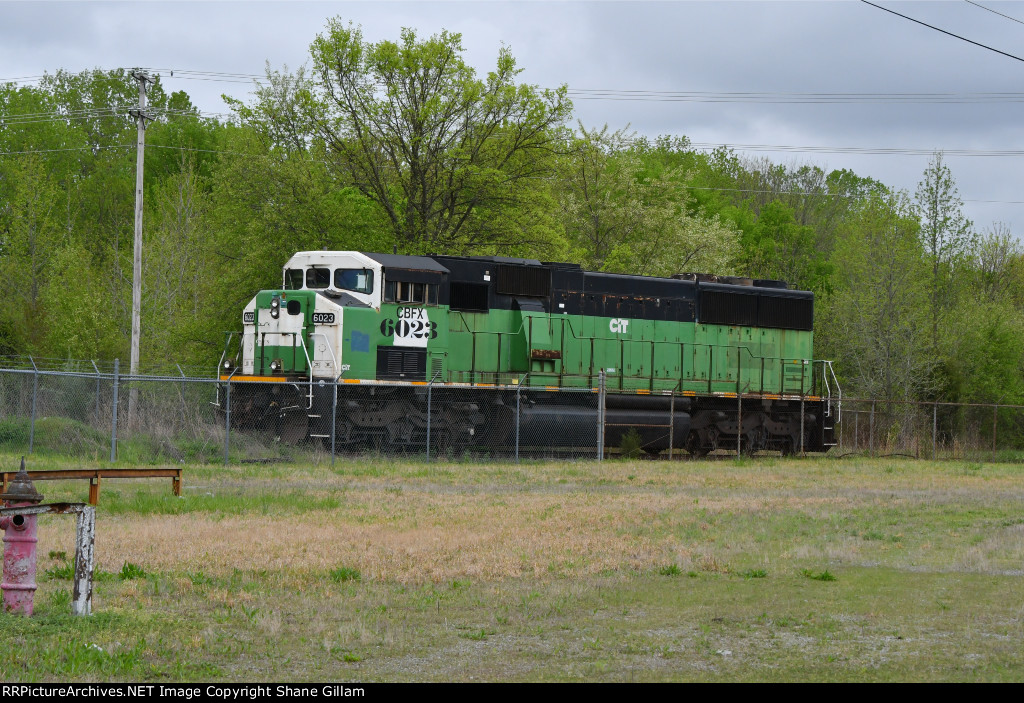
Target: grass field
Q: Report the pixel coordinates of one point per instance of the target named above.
(765, 569)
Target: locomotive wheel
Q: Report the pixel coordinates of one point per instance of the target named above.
(694, 446)
(293, 426)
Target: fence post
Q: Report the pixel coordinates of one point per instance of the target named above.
(935, 428)
(871, 431)
(96, 368)
(600, 414)
(113, 428)
(429, 389)
(184, 407)
(519, 389)
(802, 426)
(856, 430)
(334, 417)
(227, 420)
(917, 436)
(85, 538)
(995, 418)
(671, 423)
(739, 425)
(35, 391)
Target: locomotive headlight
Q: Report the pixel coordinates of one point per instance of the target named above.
(275, 365)
(275, 307)
(229, 364)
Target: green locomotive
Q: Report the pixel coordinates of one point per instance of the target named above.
(719, 360)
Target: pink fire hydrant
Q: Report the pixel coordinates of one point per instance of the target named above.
(19, 577)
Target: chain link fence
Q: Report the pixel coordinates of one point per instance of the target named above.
(92, 410)
(973, 431)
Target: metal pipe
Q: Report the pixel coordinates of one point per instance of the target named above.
(334, 417)
(227, 417)
(96, 368)
(671, 423)
(113, 429)
(802, 432)
(429, 388)
(35, 391)
(739, 424)
(600, 414)
(871, 430)
(519, 391)
(995, 418)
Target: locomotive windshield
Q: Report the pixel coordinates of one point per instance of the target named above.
(356, 280)
(293, 279)
(318, 277)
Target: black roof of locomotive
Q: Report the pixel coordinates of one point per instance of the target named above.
(410, 263)
(566, 276)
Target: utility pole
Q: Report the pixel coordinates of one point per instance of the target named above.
(140, 115)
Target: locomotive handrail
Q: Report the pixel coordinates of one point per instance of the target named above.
(785, 364)
(309, 365)
(695, 345)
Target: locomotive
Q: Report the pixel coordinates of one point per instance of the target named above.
(702, 361)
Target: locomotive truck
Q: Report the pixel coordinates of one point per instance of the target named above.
(725, 362)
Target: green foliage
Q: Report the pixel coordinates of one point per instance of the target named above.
(131, 571)
(345, 573)
(624, 209)
(402, 143)
(947, 237)
(777, 246)
(61, 572)
(439, 150)
(670, 570)
(984, 354)
(825, 575)
(631, 444)
(874, 323)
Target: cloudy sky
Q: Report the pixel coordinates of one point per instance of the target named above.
(703, 54)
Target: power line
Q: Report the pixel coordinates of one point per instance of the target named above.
(879, 151)
(794, 98)
(989, 9)
(75, 148)
(705, 146)
(957, 36)
(754, 97)
(117, 112)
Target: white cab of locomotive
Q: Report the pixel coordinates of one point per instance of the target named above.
(333, 273)
(348, 272)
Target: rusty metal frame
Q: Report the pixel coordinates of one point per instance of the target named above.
(95, 475)
(85, 542)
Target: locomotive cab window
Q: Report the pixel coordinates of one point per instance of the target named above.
(355, 280)
(293, 279)
(413, 293)
(318, 277)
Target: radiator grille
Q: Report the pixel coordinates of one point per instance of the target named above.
(401, 364)
(531, 281)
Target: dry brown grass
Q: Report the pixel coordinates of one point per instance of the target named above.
(491, 523)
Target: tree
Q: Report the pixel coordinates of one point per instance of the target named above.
(872, 322)
(621, 216)
(777, 246)
(997, 258)
(946, 235)
(30, 235)
(413, 128)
